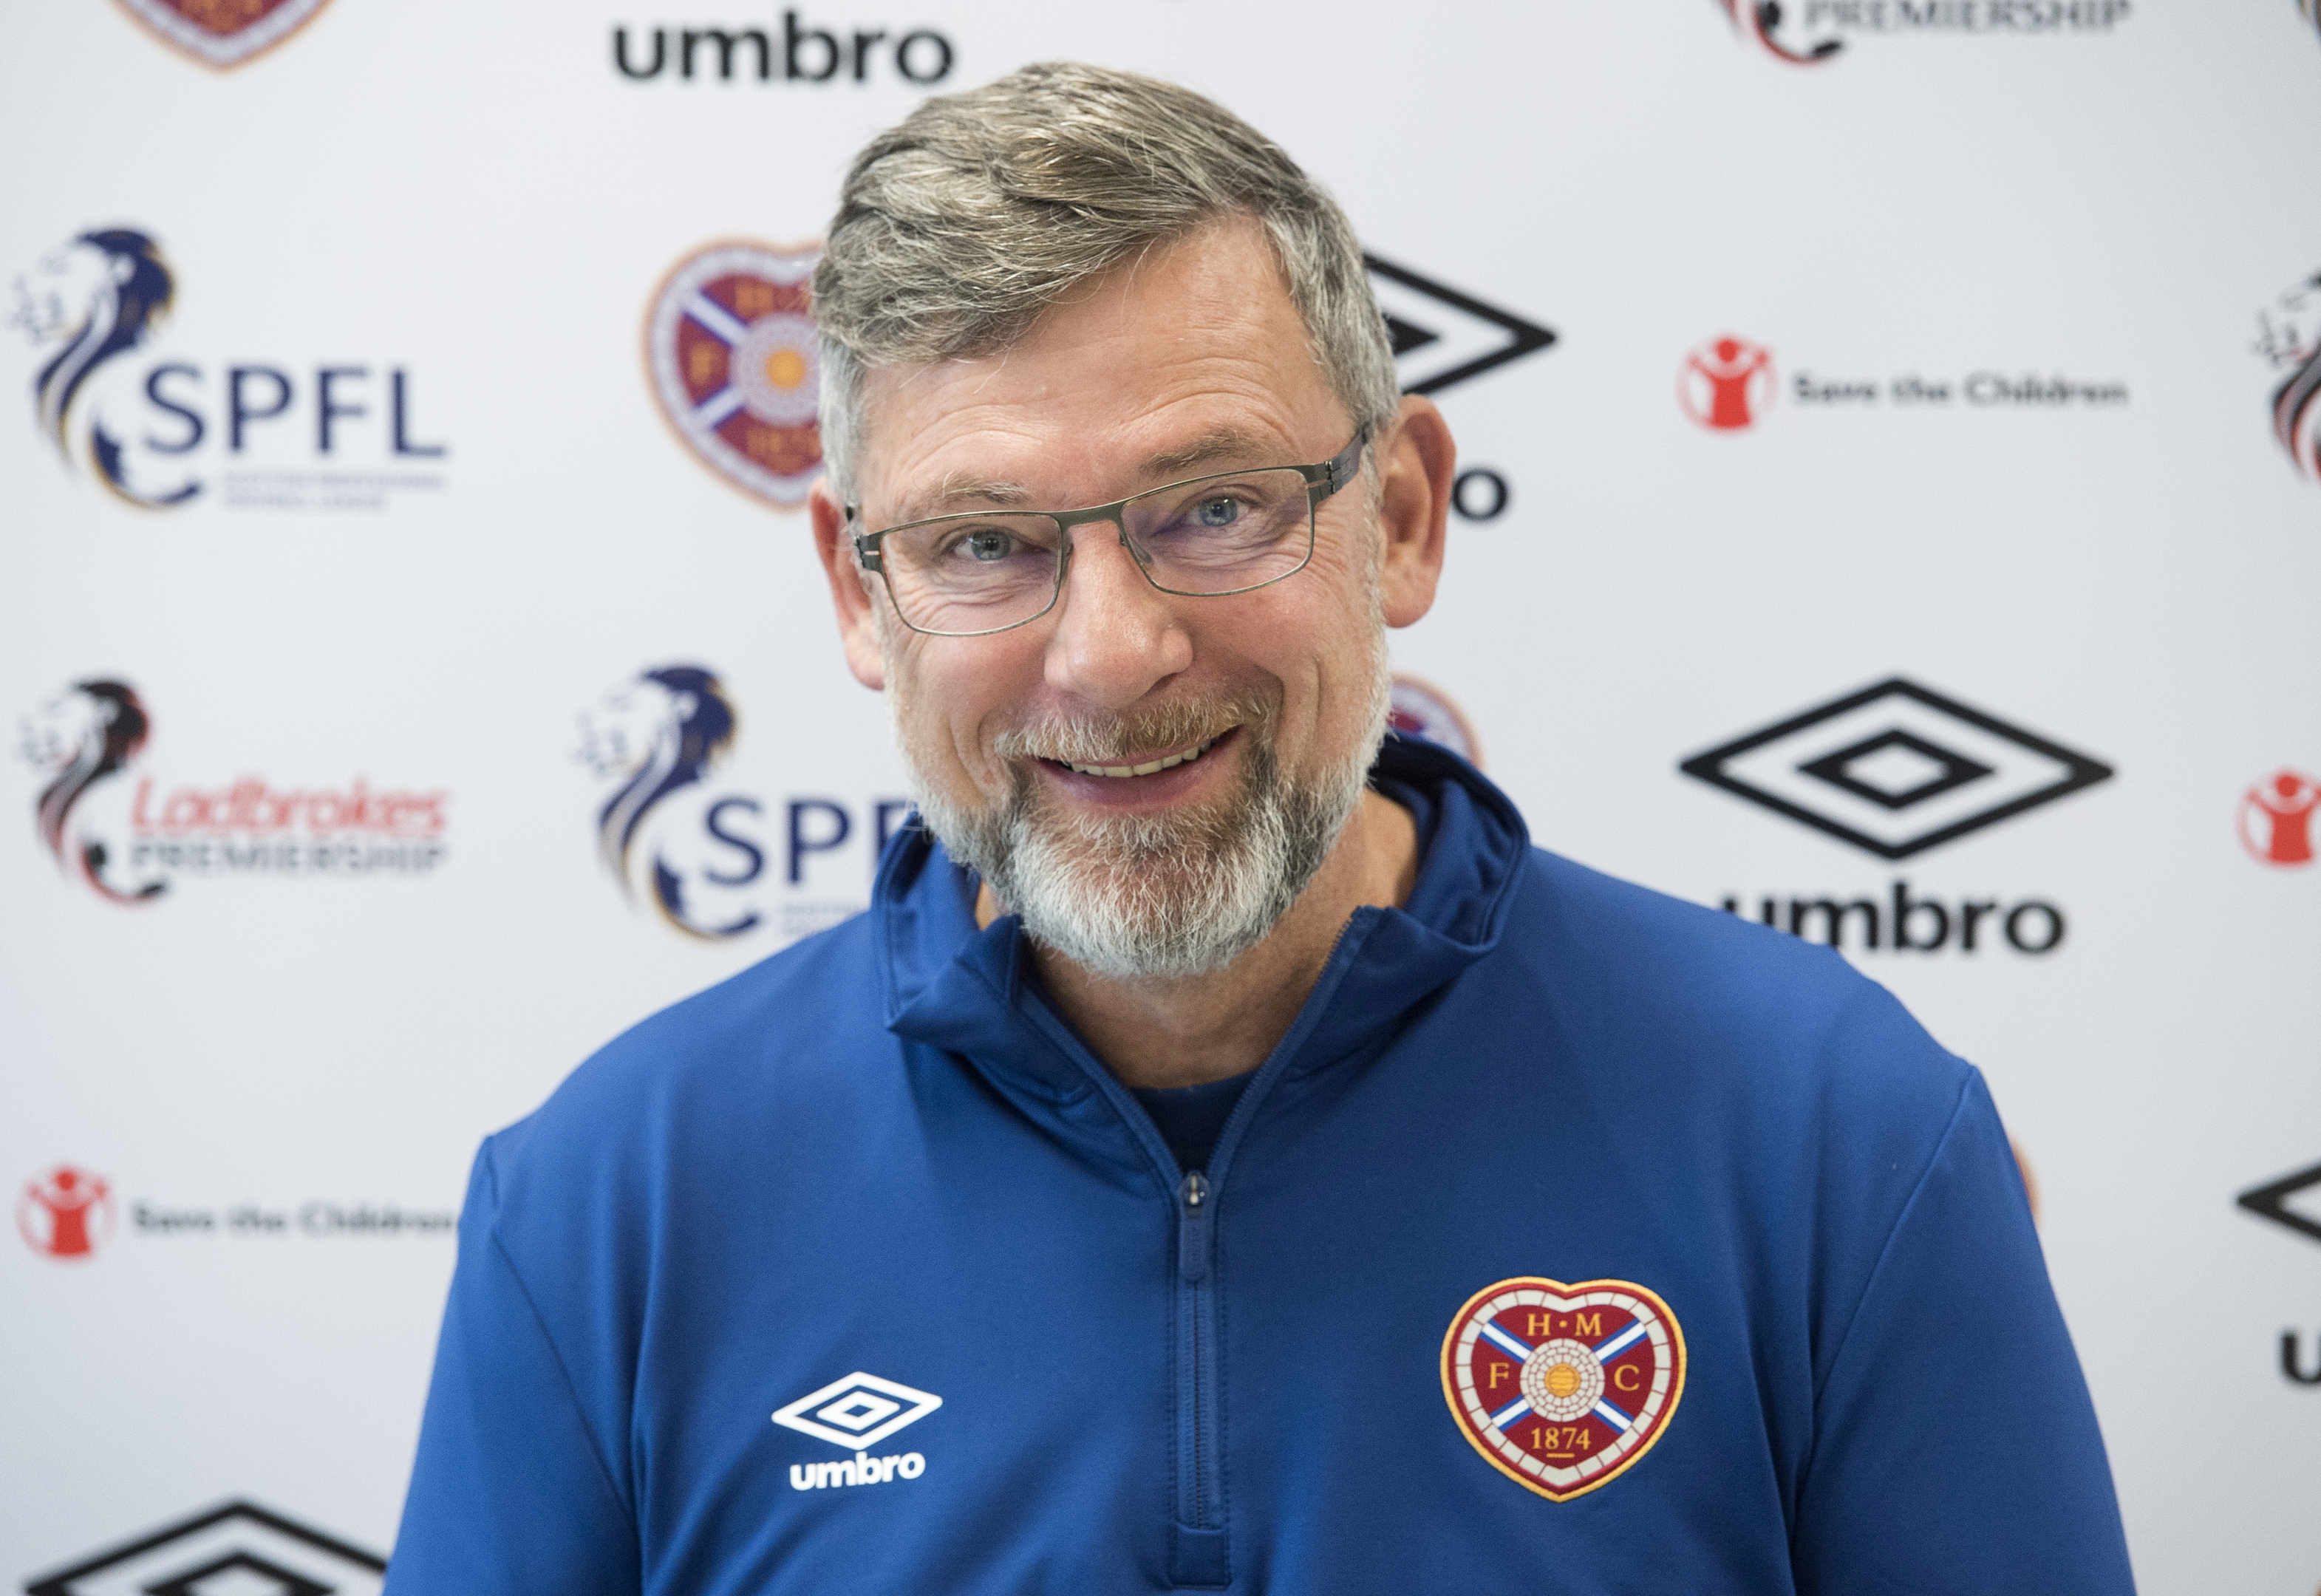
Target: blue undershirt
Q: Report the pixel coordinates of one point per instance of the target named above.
(1190, 1118)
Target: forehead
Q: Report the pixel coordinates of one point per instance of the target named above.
(1158, 362)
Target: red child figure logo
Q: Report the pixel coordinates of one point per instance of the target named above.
(1726, 383)
(2276, 818)
(67, 1213)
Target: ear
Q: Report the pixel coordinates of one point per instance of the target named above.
(1417, 463)
(850, 590)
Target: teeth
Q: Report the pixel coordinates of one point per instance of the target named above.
(1173, 760)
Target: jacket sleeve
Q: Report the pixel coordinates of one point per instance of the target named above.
(510, 1495)
(1955, 1450)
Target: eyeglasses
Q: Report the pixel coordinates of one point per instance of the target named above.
(990, 571)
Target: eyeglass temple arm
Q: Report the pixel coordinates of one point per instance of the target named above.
(1331, 474)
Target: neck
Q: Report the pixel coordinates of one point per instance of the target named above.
(1183, 1032)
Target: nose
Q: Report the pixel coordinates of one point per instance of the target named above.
(1118, 637)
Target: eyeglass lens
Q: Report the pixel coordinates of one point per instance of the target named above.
(980, 572)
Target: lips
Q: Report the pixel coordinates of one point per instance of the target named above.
(1147, 768)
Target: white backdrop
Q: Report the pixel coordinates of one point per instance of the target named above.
(388, 693)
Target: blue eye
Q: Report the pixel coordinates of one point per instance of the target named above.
(1216, 512)
(988, 544)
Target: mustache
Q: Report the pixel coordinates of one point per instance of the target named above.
(1101, 739)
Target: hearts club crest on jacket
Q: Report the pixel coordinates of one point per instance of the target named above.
(1562, 1388)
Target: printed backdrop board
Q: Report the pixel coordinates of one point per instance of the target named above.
(1889, 509)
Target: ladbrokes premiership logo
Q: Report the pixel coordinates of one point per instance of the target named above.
(223, 33)
(127, 837)
(2289, 335)
(2276, 818)
(731, 349)
(1562, 1389)
(1808, 33)
(143, 422)
(66, 1214)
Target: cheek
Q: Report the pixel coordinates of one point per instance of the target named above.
(949, 699)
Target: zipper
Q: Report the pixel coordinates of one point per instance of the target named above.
(1197, 1553)
(1195, 1252)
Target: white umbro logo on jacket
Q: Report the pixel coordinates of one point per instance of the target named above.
(859, 1412)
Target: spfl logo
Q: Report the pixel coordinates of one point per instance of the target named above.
(2288, 335)
(693, 851)
(66, 1213)
(731, 351)
(1726, 383)
(142, 421)
(128, 839)
(223, 33)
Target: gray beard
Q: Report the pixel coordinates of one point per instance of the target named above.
(1159, 896)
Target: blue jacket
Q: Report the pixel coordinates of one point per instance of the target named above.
(1572, 1239)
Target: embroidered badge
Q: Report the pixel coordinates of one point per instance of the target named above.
(1562, 1388)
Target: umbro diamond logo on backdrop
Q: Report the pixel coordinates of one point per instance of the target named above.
(1896, 768)
(1442, 336)
(2294, 1201)
(859, 1410)
(240, 1548)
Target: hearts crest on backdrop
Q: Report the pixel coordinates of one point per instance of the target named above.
(223, 33)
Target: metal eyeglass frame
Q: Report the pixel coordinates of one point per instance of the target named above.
(1322, 481)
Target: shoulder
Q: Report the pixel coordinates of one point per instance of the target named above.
(746, 1057)
(1725, 1009)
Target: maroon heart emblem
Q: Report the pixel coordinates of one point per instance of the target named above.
(223, 33)
(735, 365)
(1563, 1388)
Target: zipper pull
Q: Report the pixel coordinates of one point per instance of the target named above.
(1193, 1228)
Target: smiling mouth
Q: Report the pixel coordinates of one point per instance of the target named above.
(1148, 768)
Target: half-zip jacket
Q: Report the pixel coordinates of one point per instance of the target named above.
(1572, 1240)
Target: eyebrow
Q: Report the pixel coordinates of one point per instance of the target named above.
(957, 489)
(1220, 445)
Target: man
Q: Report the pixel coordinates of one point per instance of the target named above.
(1226, 1155)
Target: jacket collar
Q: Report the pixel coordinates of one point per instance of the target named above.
(951, 986)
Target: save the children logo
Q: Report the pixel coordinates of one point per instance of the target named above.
(2289, 336)
(735, 366)
(222, 32)
(1810, 32)
(158, 427)
(123, 833)
(694, 849)
(2276, 818)
(66, 1213)
(1726, 383)
(1563, 1388)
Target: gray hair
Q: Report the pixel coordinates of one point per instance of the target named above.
(960, 225)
